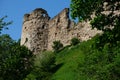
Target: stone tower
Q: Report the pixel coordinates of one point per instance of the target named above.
(35, 30)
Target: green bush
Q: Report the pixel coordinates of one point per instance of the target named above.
(43, 65)
(75, 41)
(14, 59)
(102, 64)
(57, 46)
(45, 60)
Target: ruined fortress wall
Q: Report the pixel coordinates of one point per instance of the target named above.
(35, 30)
(39, 31)
(59, 28)
(63, 29)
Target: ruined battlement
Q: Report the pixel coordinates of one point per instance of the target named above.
(39, 31)
(38, 13)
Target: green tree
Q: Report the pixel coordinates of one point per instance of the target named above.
(3, 24)
(101, 62)
(75, 41)
(15, 60)
(43, 69)
(82, 9)
(57, 46)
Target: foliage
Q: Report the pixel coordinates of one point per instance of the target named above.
(102, 65)
(82, 61)
(43, 65)
(86, 62)
(95, 59)
(75, 41)
(5, 43)
(82, 9)
(45, 60)
(4, 24)
(57, 46)
(111, 34)
(108, 23)
(68, 60)
(15, 60)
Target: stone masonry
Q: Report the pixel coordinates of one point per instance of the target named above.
(35, 30)
(39, 31)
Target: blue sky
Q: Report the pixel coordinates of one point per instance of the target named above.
(15, 10)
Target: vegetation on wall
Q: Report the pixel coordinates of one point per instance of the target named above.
(75, 41)
(57, 46)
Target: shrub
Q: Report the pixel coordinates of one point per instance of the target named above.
(17, 62)
(57, 46)
(45, 60)
(102, 64)
(75, 41)
(43, 65)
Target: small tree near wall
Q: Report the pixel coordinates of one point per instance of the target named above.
(57, 46)
(75, 41)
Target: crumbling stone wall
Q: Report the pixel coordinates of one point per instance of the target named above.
(63, 29)
(39, 31)
(35, 30)
(59, 28)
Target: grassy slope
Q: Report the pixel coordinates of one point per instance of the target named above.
(70, 58)
(81, 62)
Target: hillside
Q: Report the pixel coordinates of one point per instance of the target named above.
(83, 61)
(86, 62)
(70, 58)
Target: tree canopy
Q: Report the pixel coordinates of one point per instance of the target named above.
(82, 9)
(15, 60)
(3, 24)
(105, 17)
(103, 59)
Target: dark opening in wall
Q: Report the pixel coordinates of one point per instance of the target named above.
(25, 27)
(44, 15)
(58, 20)
(43, 27)
(26, 40)
(55, 34)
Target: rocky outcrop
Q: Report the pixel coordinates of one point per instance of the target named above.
(39, 31)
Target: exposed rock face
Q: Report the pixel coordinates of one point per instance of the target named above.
(39, 31)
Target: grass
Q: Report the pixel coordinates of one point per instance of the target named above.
(70, 58)
(83, 61)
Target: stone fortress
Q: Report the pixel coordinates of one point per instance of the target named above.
(39, 31)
